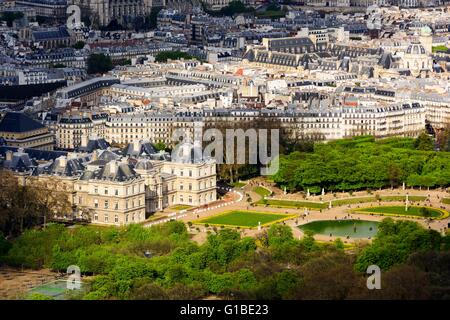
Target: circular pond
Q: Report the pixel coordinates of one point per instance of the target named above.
(342, 228)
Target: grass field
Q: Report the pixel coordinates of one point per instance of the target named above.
(334, 203)
(439, 48)
(245, 219)
(413, 211)
(263, 192)
(445, 200)
(341, 202)
(292, 204)
(238, 184)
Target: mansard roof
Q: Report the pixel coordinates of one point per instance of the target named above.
(144, 164)
(112, 171)
(95, 144)
(39, 155)
(65, 167)
(108, 155)
(20, 162)
(19, 122)
(139, 148)
(57, 33)
(283, 42)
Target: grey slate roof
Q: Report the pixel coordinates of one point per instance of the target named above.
(143, 149)
(108, 155)
(95, 144)
(19, 122)
(112, 171)
(65, 167)
(58, 33)
(20, 162)
(34, 153)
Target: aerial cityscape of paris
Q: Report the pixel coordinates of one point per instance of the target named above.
(220, 151)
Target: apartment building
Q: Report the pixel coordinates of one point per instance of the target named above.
(70, 129)
(19, 130)
(159, 127)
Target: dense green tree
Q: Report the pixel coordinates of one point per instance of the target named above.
(99, 63)
(5, 245)
(326, 277)
(172, 55)
(424, 142)
(435, 265)
(10, 16)
(234, 7)
(413, 259)
(395, 242)
(58, 65)
(149, 291)
(151, 21)
(160, 146)
(79, 45)
(279, 234)
(361, 163)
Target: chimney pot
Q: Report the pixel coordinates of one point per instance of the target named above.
(9, 155)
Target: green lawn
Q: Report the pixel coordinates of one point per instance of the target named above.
(439, 48)
(292, 204)
(400, 210)
(337, 202)
(445, 200)
(341, 202)
(237, 184)
(246, 219)
(263, 192)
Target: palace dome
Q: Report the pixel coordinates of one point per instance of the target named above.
(144, 164)
(415, 48)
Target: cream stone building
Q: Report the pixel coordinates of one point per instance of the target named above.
(417, 60)
(72, 129)
(19, 130)
(113, 191)
(117, 186)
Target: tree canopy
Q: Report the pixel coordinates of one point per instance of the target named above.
(99, 63)
(363, 162)
(172, 55)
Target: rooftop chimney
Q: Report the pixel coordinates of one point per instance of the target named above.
(136, 146)
(62, 161)
(9, 155)
(112, 166)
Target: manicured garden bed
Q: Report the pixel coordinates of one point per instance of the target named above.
(341, 202)
(261, 191)
(292, 204)
(413, 211)
(245, 219)
(238, 184)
